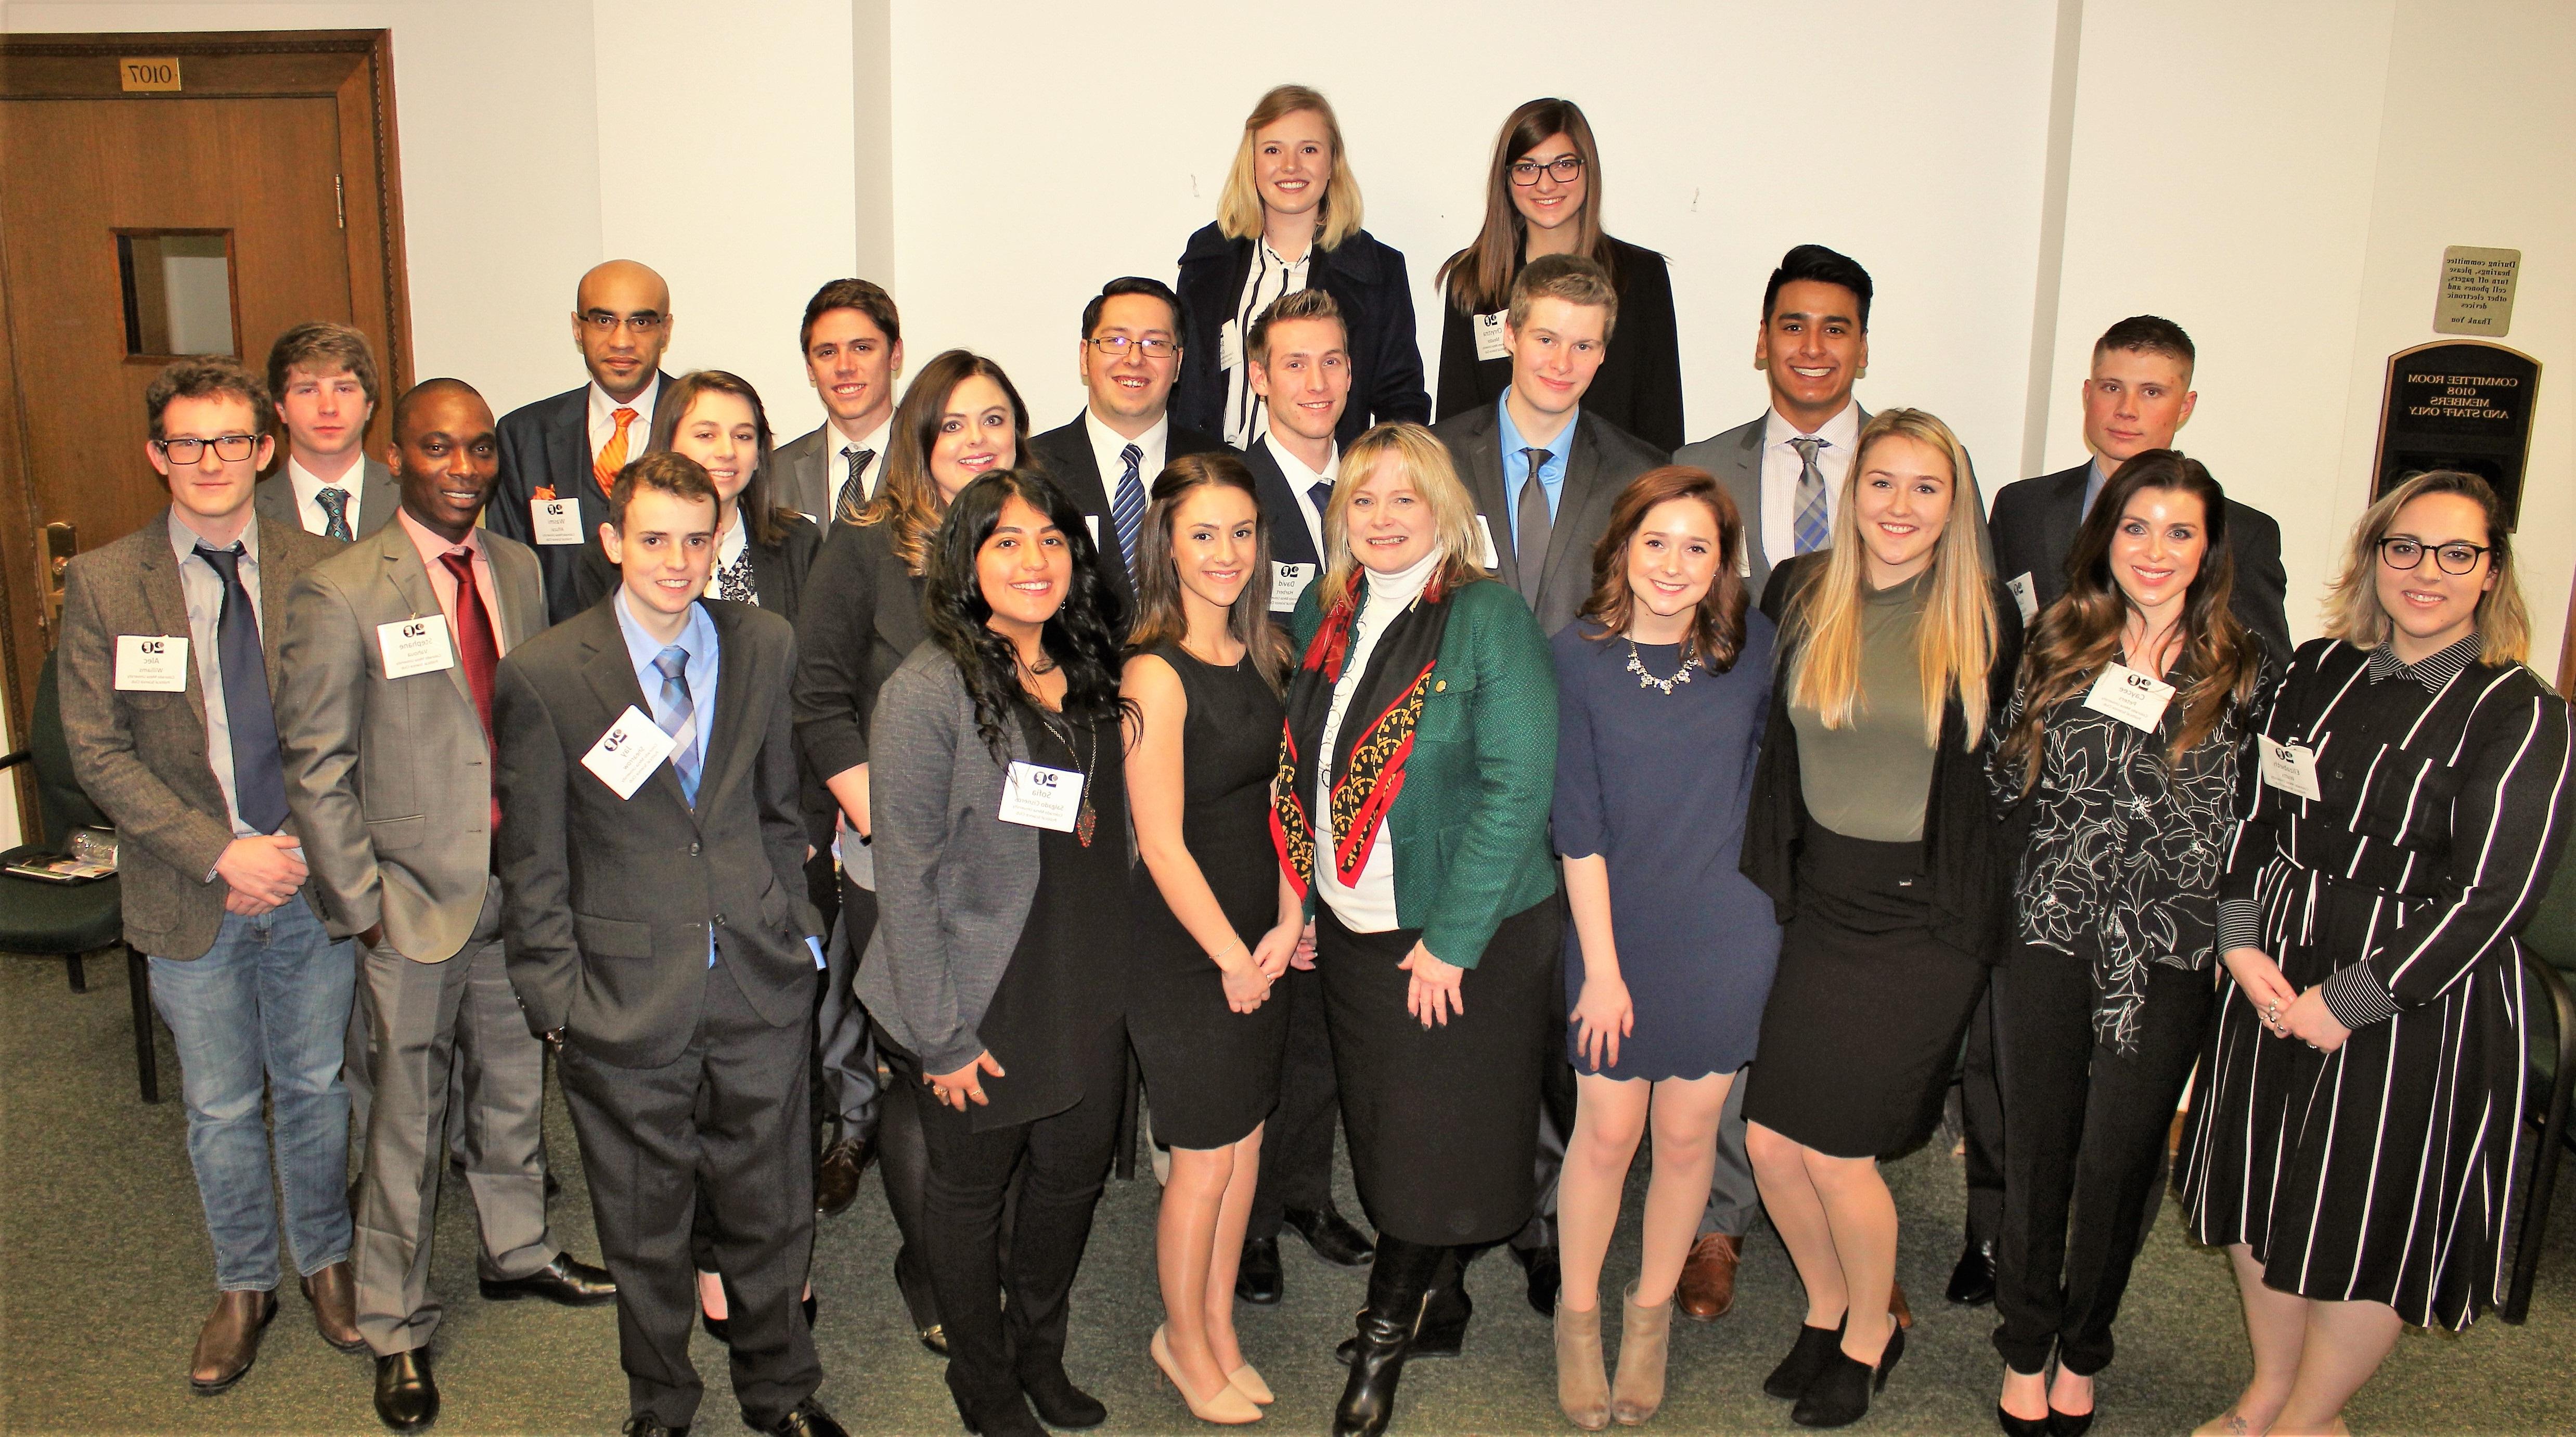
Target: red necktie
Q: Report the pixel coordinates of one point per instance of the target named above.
(480, 654)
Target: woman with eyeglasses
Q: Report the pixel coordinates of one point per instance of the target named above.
(2355, 1135)
(1288, 219)
(1543, 196)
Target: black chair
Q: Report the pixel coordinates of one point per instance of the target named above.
(2549, 953)
(70, 919)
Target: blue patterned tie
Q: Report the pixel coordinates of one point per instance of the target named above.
(259, 776)
(679, 717)
(1810, 528)
(335, 514)
(1127, 507)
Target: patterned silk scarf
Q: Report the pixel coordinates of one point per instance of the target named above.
(1376, 736)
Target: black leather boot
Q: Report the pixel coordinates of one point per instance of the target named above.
(1400, 1281)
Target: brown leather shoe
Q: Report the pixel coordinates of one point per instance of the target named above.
(334, 1296)
(1708, 1276)
(1896, 1307)
(229, 1342)
(836, 1177)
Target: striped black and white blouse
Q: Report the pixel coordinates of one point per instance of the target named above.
(1246, 417)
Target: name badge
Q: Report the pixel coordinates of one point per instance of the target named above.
(415, 646)
(2025, 596)
(2291, 768)
(1287, 581)
(1042, 797)
(555, 521)
(1229, 347)
(1486, 557)
(152, 663)
(628, 753)
(2133, 698)
(1491, 342)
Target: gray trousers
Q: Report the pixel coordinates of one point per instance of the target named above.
(1734, 1203)
(438, 1026)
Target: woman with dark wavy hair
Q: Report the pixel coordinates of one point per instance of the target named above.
(2126, 745)
(998, 968)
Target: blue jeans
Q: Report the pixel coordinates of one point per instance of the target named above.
(269, 1001)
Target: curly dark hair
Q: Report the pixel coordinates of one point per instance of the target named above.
(1082, 638)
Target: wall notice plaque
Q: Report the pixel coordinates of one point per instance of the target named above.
(2460, 404)
(2477, 291)
(150, 72)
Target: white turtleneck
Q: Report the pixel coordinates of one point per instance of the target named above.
(1369, 905)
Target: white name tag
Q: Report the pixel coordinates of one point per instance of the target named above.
(152, 663)
(628, 753)
(1287, 581)
(555, 521)
(1229, 347)
(2025, 596)
(415, 646)
(1491, 342)
(1486, 557)
(1042, 797)
(2133, 698)
(2291, 768)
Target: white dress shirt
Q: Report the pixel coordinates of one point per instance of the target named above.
(836, 470)
(1106, 445)
(603, 419)
(1780, 466)
(1369, 905)
(1300, 479)
(308, 504)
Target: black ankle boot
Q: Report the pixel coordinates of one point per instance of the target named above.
(1840, 1394)
(1816, 1346)
(1443, 1329)
(1400, 1282)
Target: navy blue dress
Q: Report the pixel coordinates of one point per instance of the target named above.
(1656, 784)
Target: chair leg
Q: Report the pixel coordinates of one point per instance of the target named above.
(147, 1062)
(79, 974)
(2553, 1137)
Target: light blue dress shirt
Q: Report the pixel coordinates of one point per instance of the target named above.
(1551, 470)
(2094, 479)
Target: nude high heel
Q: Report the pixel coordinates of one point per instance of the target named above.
(1249, 1383)
(1227, 1406)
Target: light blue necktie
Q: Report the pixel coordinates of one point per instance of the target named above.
(1127, 507)
(1810, 529)
(679, 717)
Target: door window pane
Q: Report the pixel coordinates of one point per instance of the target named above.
(178, 291)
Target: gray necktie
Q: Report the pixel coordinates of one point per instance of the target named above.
(851, 494)
(1530, 525)
(335, 514)
(679, 717)
(1808, 526)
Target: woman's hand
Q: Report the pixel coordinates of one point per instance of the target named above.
(1433, 994)
(1602, 1016)
(966, 1085)
(1303, 960)
(1245, 984)
(2259, 978)
(1276, 947)
(2309, 1020)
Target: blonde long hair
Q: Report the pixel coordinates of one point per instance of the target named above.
(1238, 205)
(1435, 482)
(2353, 611)
(1955, 643)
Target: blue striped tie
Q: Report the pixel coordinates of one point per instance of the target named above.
(1810, 529)
(679, 717)
(1127, 507)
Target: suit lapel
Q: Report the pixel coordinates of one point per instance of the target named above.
(167, 604)
(568, 443)
(411, 582)
(612, 678)
(520, 590)
(1581, 488)
(726, 753)
(274, 581)
(1290, 543)
(1484, 476)
(378, 494)
(2063, 516)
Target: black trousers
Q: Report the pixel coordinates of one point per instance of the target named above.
(2084, 1143)
(1297, 1141)
(729, 1118)
(1981, 1123)
(1061, 1163)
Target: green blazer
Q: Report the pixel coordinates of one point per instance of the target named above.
(1470, 825)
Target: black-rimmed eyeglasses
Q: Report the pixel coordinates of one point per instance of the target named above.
(2461, 558)
(1562, 169)
(230, 448)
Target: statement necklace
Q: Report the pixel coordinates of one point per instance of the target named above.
(1087, 821)
(1645, 680)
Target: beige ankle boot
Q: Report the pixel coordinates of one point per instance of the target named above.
(1645, 1338)
(1582, 1388)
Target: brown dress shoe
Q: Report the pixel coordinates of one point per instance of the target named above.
(334, 1296)
(1708, 1276)
(836, 1177)
(1896, 1307)
(229, 1342)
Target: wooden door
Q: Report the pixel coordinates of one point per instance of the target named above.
(265, 184)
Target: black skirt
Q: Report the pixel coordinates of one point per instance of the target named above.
(1862, 1030)
(1443, 1121)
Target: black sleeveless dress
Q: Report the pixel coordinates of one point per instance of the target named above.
(1212, 1074)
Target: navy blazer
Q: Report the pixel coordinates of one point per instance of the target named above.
(1289, 541)
(1364, 277)
(548, 444)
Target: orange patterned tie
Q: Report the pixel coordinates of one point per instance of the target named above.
(612, 455)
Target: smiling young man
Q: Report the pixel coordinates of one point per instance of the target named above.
(386, 719)
(168, 665)
(852, 343)
(673, 965)
(322, 378)
(563, 453)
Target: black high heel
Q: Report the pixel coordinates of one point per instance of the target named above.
(1816, 1346)
(2025, 1426)
(2068, 1424)
(1840, 1394)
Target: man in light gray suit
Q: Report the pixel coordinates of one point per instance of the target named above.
(852, 341)
(385, 720)
(323, 380)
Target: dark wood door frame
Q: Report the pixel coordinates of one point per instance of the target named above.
(352, 67)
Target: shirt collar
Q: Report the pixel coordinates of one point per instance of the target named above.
(729, 547)
(431, 545)
(834, 441)
(1294, 470)
(1557, 448)
(1841, 432)
(698, 636)
(1106, 442)
(2433, 671)
(307, 483)
(184, 540)
(603, 410)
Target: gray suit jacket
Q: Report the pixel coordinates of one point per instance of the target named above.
(141, 757)
(389, 778)
(1605, 460)
(378, 497)
(1735, 457)
(804, 475)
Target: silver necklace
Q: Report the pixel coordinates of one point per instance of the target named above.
(1645, 680)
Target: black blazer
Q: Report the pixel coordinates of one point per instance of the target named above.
(609, 901)
(778, 571)
(1364, 277)
(1605, 461)
(1289, 541)
(865, 618)
(1639, 384)
(547, 445)
(1964, 847)
(2034, 528)
(1066, 454)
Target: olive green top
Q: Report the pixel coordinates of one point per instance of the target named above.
(1870, 780)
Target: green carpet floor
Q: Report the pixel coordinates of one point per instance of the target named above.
(105, 1274)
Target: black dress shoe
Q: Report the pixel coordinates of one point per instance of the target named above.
(806, 1419)
(933, 1339)
(2069, 1424)
(1972, 1282)
(1331, 1236)
(1059, 1403)
(406, 1393)
(2022, 1426)
(1815, 1347)
(1840, 1394)
(1257, 1280)
(647, 1425)
(836, 1177)
(574, 1284)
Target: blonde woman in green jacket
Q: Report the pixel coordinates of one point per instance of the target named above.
(1415, 777)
